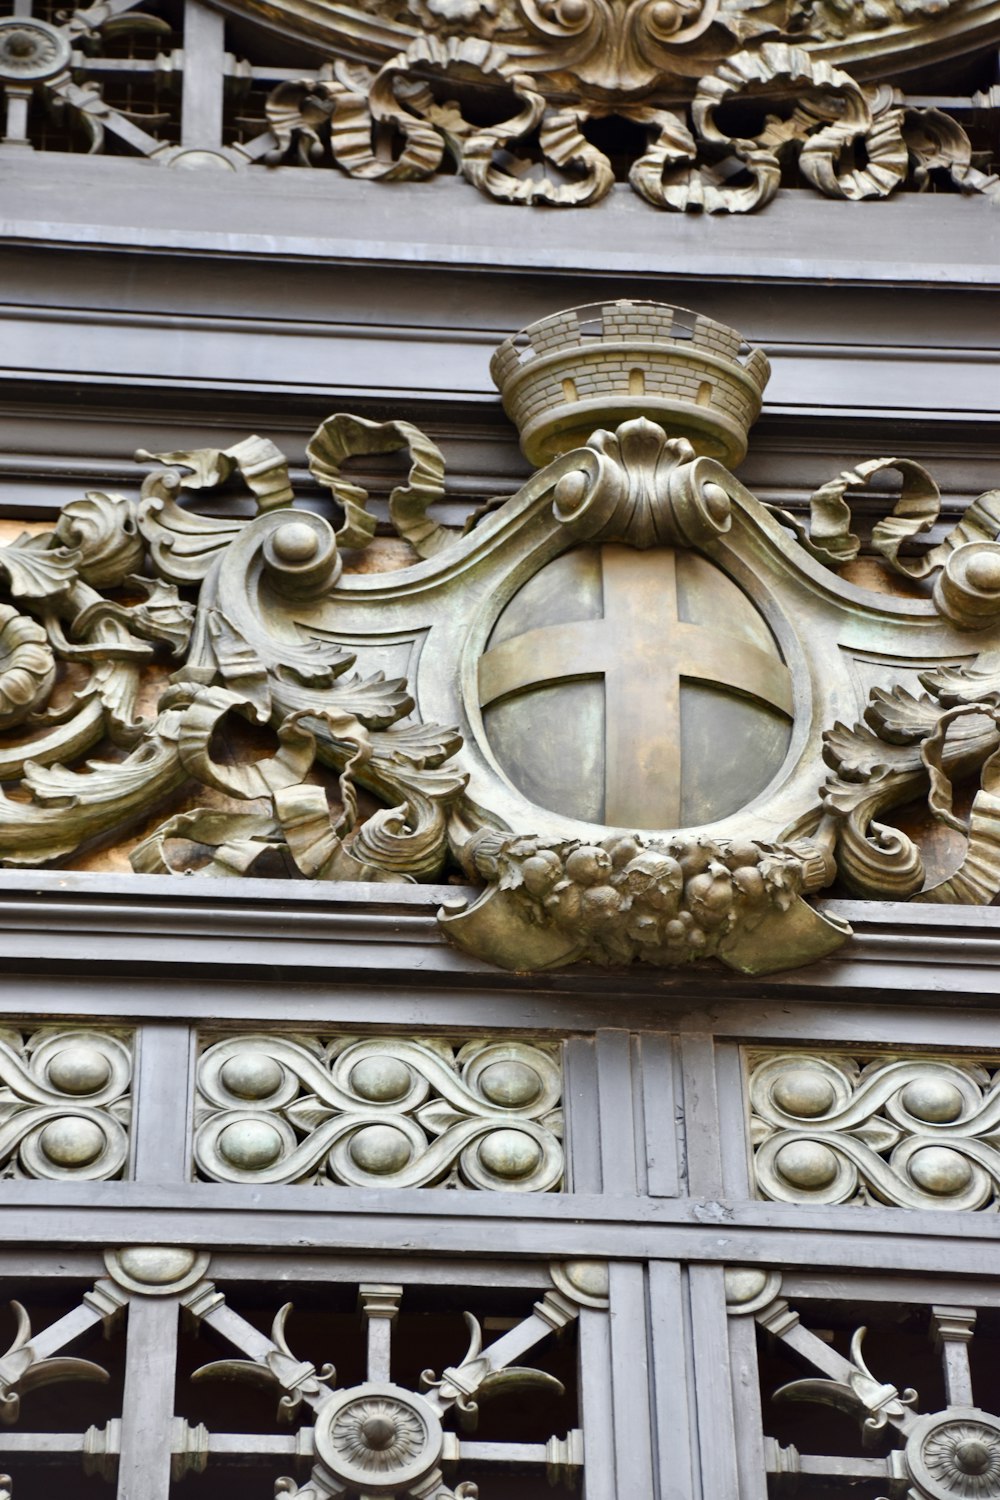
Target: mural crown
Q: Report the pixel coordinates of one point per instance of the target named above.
(601, 365)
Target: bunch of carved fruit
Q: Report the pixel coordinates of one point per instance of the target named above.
(668, 902)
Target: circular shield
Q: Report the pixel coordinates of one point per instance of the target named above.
(635, 690)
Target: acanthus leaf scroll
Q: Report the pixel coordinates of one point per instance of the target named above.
(249, 705)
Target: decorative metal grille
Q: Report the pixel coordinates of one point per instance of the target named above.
(912, 1131)
(932, 1443)
(380, 1111)
(395, 1425)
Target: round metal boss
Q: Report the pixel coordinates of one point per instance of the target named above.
(378, 1438)
(31, 50)
(956, 1452)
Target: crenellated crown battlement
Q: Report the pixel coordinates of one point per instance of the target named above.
(598, 366)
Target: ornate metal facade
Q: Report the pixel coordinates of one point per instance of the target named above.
(498, 808)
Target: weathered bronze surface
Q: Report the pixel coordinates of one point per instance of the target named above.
(643, 648)
(686, 813)
(514, 94)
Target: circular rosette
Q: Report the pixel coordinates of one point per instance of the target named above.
(955, 1454)
(967, 589)
(380, 1152)
(378, 1438)
(31, 50)
(942, 1176)
(87, 1065)
(375, 1072)
(932, 1096)
(27, 667)
(246, 1146)
(251, 1072)
(301, 558)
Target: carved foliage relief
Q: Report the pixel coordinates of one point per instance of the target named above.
(381, 1111)
(65, 1104)
(911, 1132)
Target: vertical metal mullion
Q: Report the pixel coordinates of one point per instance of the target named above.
(745, 1381)
(654, 1084)
(630, 1377)
(148, 1405)
(617, 1116)
(713, 1383)
(162, 1090)
(204, 76)
(672, 1381)
(701, 1116)
(734, 1125)
(583, 1136)
(596, 1415)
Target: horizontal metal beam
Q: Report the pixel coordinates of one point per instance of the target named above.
(912, 238)
(433, 1223)
(300, 931)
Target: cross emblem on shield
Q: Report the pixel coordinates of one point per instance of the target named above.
(636, 690)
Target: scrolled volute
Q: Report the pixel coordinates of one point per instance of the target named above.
(639, 487)
(103, 530)
(908, 747)
(27, 667)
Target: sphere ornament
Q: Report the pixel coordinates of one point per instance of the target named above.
(527, 1158)
(809, 1165)
(156, 1270)
(936, 1101)
(252, 1075)
(91, 1066)
(510, 1153)
(79, 1069)
(955, 1455)
(511, 1084)
(968, 587)
(300, 554)
(585, 1281)
(31, 50)
(72, 1142)
(378, 1438)
(381, 1149)
(247, 1145)
(381, 1079)
(940, 1170)
(749, 1288)
(254, 1071)
(250, 1144)
(514, 1076)
(77, 1142)
(804, 1092)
